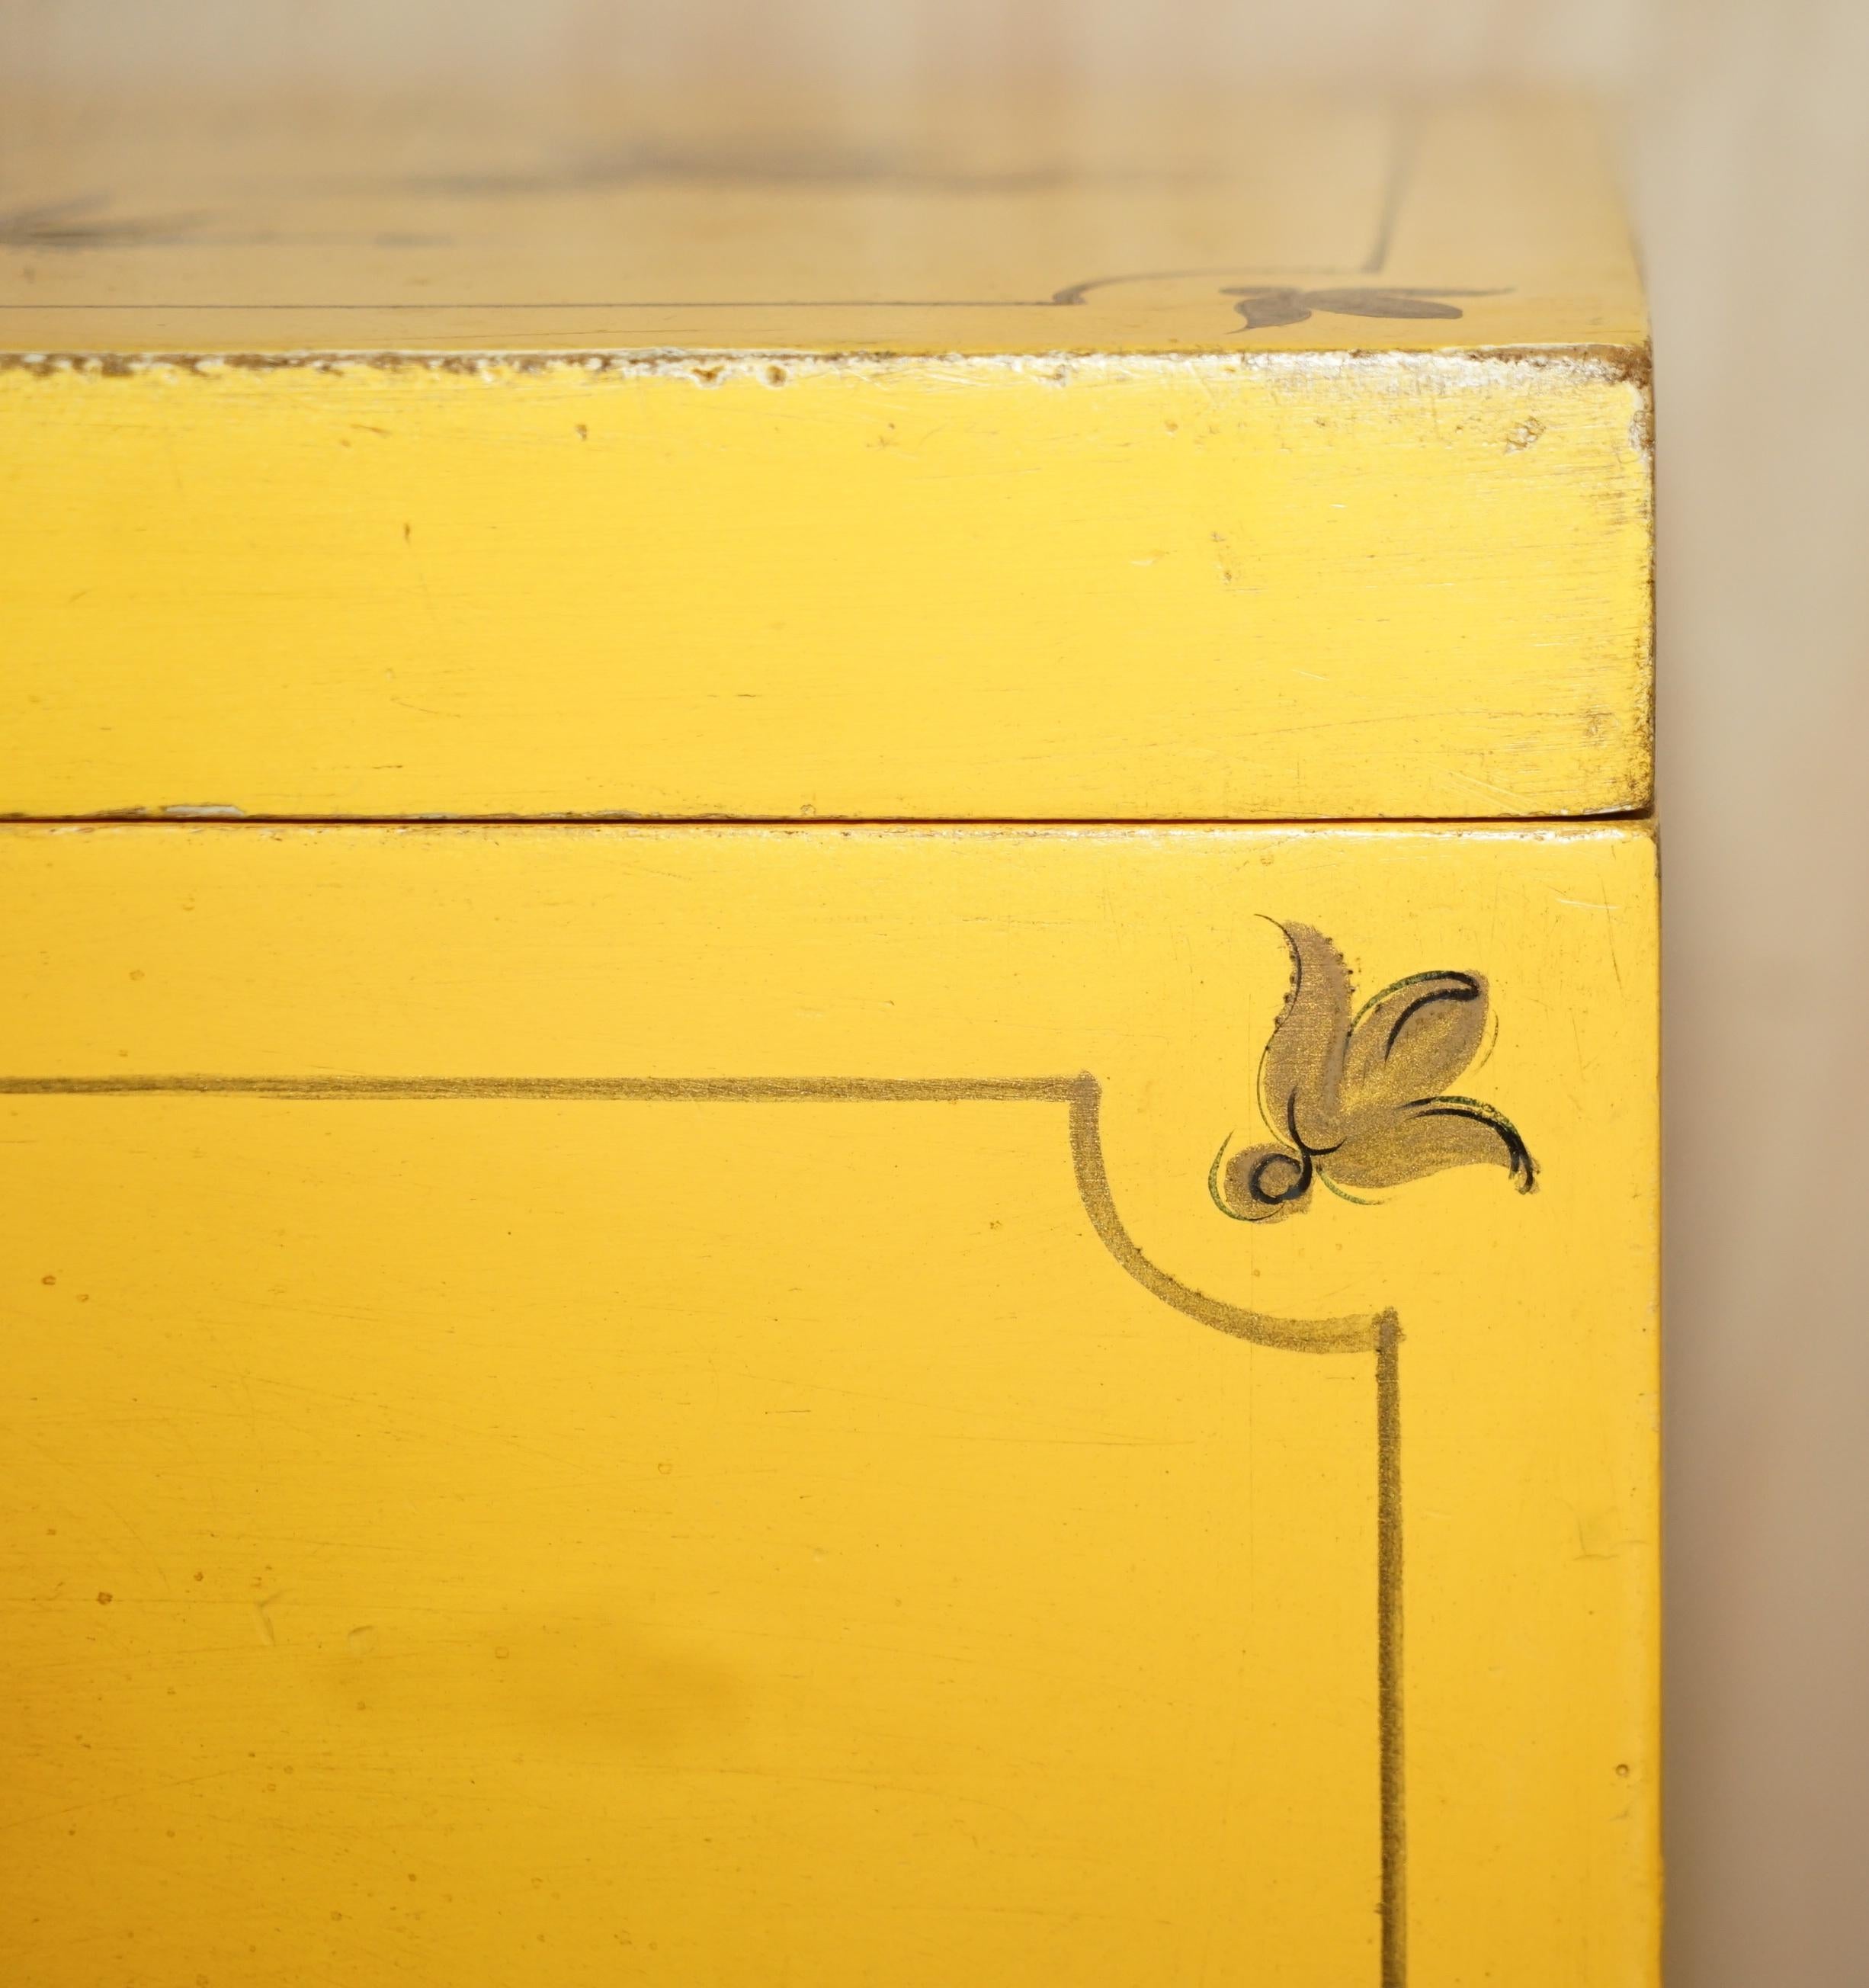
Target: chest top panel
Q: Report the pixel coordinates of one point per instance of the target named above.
(1088, 226)
(1071, 460)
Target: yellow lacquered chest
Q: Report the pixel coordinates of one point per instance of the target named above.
(829, 1122)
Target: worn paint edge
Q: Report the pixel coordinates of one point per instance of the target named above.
(778, 366)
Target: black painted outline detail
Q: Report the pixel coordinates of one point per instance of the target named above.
(1083, 1093)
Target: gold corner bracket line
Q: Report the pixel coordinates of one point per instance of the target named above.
(1379, 1334)
(1083, 1093)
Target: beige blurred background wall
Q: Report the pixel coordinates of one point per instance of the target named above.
(1748, 144)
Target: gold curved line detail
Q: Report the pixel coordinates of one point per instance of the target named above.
(1082, 1094)
(1326, 1335)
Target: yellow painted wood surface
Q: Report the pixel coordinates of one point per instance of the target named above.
(460, 1529)
(1101, 469)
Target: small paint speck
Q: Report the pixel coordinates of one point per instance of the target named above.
(104, 1598)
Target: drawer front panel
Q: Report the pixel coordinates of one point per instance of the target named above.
(707, 1405)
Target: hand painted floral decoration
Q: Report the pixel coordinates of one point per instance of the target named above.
(1261, 306)
(1360, 1101)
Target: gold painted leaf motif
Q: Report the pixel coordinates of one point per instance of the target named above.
(1263, 306)
(1361, 1100)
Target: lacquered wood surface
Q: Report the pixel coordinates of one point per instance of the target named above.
(576, 1412)
(1086, 468)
